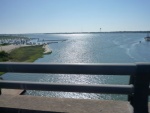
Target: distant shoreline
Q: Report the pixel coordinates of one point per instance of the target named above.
(100, 32)
(82, 32)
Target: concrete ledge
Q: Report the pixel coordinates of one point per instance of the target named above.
(12, 91)
(33, 104)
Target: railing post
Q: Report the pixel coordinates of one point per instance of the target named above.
(131, 81)
(141, 88)
(0, 87)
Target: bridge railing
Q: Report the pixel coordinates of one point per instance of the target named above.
(137, 90)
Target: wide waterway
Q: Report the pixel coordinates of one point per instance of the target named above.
(88, 48)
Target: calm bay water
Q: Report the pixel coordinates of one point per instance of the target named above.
(88, 48)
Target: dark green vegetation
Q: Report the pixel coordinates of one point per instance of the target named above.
(4, 56)
(1, 73)
(4, 44)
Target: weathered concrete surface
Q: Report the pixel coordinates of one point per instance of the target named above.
(149, 107)
(46, 104)
(12, 91)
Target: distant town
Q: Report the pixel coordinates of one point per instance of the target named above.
(100, 32)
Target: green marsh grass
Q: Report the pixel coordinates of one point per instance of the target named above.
(26, 54)
(23, 54)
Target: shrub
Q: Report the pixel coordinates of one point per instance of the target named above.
(4, 56)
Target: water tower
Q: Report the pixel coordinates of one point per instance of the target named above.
(100, 29)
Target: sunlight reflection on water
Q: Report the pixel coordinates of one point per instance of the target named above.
(88, 48)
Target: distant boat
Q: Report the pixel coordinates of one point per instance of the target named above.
(147, 38)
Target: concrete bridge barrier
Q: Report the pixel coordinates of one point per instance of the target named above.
(137, 90)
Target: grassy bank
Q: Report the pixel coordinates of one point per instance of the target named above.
(23, 54)
(26, 54)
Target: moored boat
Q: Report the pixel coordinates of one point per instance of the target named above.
(147, 38)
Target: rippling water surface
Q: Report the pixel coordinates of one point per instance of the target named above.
(88, 48)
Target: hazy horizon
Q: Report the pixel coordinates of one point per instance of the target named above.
(78, 32)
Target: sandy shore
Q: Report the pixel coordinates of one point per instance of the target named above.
(9, 48)
(47, 49)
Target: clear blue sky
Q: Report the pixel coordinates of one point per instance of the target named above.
(40, 16)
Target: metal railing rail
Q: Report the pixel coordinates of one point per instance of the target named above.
(93, 69)
(138, 88)
(107, 89)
